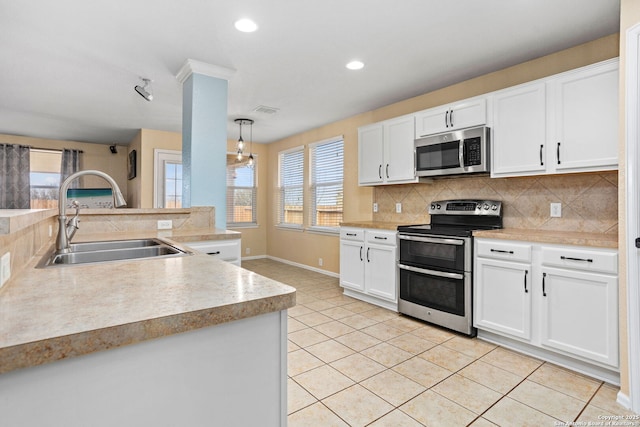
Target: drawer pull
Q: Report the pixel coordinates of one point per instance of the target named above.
(368, 260)
(526, 291)
(361, 259)
(568, 258)
(380, 238)
(213, 253)
(544, 276)
(541, 162)
(351, 234)
(502, 252)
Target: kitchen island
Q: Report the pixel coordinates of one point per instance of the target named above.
(185, 340)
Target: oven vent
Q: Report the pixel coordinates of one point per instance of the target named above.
(265, 110)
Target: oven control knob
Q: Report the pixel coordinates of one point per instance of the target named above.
(433, 206)
(494, 207)
(438, 206)
(486, 206)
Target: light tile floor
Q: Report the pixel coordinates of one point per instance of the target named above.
(354, 364)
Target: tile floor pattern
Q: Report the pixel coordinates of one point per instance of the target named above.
(351, 363)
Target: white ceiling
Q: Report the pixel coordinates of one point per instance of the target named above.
(68, 67)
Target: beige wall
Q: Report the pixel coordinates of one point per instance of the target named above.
(304, 247)
(134, 186)
(94, 156)
(629, 16)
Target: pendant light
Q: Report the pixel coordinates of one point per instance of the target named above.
(241, 145)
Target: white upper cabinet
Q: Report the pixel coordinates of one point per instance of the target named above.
(385, 152)
(519, 130)
(460, 115)
(586, 119)
(564, 123)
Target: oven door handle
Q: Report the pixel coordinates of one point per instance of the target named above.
(456, 276)
(432, 240)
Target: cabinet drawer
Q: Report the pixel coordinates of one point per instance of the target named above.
(503, 250)
(226, 250)
(581, 259)
(352, 234)
(381, 237)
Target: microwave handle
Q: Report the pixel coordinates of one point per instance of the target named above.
(461, 153)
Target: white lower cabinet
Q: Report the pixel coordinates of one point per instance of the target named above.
(368, 265)
(225, 249)
(556, 302)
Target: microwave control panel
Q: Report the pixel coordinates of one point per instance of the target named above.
(472, 151)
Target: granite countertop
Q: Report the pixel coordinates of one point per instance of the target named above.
(59, 312)
(599, 240)
(379, 225)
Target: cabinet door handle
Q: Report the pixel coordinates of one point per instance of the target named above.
(568, 258)
(379, 237)
(380, 171)
(541, 162)
(526, 291)
(352, 234)
(544, 276)
(368, 260)
(446, 119)
(501, 251)
(361, 254)
(451, 118)
(558, 153)
(213, 253)
(387, 170)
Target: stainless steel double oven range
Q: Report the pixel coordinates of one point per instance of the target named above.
(435, 266)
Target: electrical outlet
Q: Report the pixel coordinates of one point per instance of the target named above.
(50, 230)
(247, 251)
(5, 268)
(556, 210)
(375, 207)
(165, 224)
(398, 207)
(320, 262)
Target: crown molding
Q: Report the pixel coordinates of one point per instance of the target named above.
(191, 66)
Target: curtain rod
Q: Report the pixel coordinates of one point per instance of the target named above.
(49, 149)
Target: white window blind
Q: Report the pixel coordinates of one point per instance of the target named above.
(327, 174)
(241, 193)
(291, 172)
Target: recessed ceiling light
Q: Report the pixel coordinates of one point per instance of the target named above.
(355, 65)
(246, 25)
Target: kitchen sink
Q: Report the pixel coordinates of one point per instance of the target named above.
(111, 250)
(113, 244)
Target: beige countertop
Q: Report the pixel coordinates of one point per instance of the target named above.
(59, 312)
(379, 225)
(600, 240)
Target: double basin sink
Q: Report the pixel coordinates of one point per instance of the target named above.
(111, 250)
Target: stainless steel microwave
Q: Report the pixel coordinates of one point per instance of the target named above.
(453, 153)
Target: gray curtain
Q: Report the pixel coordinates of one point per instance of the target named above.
(15, 191)
(70, 165)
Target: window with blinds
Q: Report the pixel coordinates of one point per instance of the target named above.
(291, 190)
(327, 173)
(241, 193)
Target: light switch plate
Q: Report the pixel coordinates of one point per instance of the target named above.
(556, 210)
(375, 207)
(165, 224)
(398, 207)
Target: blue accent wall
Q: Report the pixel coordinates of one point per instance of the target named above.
(204, 144)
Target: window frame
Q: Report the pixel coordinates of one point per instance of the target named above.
(254, 197)
(313, 186)
(282, 190)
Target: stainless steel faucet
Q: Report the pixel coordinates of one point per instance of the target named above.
(66, 230)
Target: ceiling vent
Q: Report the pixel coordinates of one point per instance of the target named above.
(265, 110)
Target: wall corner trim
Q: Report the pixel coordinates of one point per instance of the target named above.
(191, 66)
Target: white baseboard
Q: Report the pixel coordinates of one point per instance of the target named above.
(248, 258)
(317, 270)
(623, 400)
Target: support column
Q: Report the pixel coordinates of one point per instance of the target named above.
(204, 136)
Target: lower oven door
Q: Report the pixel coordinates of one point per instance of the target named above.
(439, 297)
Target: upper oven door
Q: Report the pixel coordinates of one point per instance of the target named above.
(435, 252)
(439, 158)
